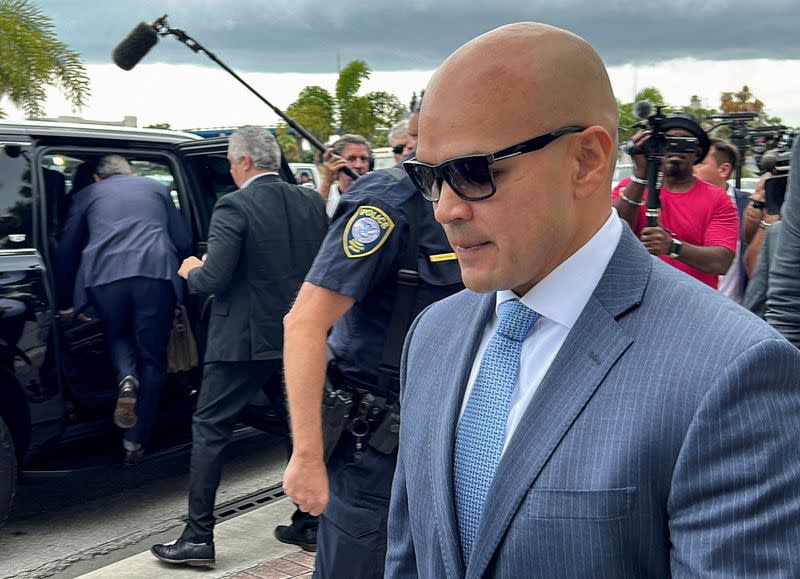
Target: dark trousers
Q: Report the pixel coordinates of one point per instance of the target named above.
(227, 388)
(301, 521)
(137, 318)
(351, 540)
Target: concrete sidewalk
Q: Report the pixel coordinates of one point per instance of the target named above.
(245, 549)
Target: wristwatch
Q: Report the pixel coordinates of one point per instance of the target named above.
(675, 250)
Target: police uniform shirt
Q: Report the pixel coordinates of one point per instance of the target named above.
(360, 256)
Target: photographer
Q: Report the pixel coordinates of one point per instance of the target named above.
(699, 226)
(756, 221)
(783, 285)
(349, 150)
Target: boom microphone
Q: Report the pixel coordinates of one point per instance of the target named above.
(132, 49)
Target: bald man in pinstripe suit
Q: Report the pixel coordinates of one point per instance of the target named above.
(648, 427)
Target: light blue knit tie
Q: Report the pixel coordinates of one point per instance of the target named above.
(481, 432)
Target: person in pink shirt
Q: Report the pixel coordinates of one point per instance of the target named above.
(699, 226)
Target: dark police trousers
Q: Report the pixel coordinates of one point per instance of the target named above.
(227, 388)
(137, 317)
(351, 540)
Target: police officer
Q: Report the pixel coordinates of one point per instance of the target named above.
(384, 259)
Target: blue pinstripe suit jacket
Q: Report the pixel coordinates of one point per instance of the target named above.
(662, 442)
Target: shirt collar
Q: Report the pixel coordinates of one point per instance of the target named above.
(254, 177)
(564, 292)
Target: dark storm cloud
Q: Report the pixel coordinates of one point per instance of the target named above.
(304, 35)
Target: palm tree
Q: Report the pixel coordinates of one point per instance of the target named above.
(32, 58)
(322, 113)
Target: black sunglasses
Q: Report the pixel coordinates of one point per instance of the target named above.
(398, 149)
(470, 176)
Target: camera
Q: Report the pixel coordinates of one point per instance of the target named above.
(777, 161)
(660, 144)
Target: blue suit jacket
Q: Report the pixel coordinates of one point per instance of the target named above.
(118, 228)
(662, 441)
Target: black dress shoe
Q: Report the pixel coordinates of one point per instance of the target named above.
(125, 412)
(133, 457)
(186, 553)
(306, 540)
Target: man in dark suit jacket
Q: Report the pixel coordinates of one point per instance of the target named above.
(119, 249)
(583, 410)
(262, 241)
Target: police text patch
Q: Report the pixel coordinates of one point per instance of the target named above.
(367, 230)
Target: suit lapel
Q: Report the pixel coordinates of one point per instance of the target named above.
(457, 359)
(592, 347)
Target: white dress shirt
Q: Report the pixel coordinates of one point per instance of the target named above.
(559, 299)
(254, 177)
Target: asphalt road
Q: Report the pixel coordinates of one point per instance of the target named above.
(66, 524)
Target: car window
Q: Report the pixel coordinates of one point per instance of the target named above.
(214, 175)
(158, 171)
(16, 199)
(66, 172)
(309, 169)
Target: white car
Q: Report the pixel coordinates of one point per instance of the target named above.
(384, 158)
(621, 171)
(309, 168)
(748, 184)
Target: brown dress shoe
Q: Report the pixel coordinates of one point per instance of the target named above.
(125, 412)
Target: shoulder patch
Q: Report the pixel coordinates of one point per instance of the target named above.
(368, 229)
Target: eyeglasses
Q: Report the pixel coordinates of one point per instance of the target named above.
(470, 176)
(398, 149)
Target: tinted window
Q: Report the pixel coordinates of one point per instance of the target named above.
(16, 202)
(213, 174)
(67, 172)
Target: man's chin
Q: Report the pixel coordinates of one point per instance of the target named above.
(480, 282)
(673, 171)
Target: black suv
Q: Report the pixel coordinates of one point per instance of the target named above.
(56, 385)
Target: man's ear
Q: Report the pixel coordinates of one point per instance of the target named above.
(594, 149)
(725, 170)
(246, 162)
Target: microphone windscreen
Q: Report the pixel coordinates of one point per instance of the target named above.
(132, 49)
(642, 109)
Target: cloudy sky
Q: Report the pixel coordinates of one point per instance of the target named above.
(681, 47)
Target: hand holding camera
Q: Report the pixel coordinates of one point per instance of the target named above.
(333, 164)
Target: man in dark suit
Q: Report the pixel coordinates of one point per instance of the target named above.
(261, 243)
(583, 409)
(119, 249)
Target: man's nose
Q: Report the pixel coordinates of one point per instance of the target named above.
(450, 207)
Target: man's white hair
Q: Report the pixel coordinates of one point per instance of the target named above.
(258, 144)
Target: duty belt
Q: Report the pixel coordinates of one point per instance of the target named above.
(369, 418)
